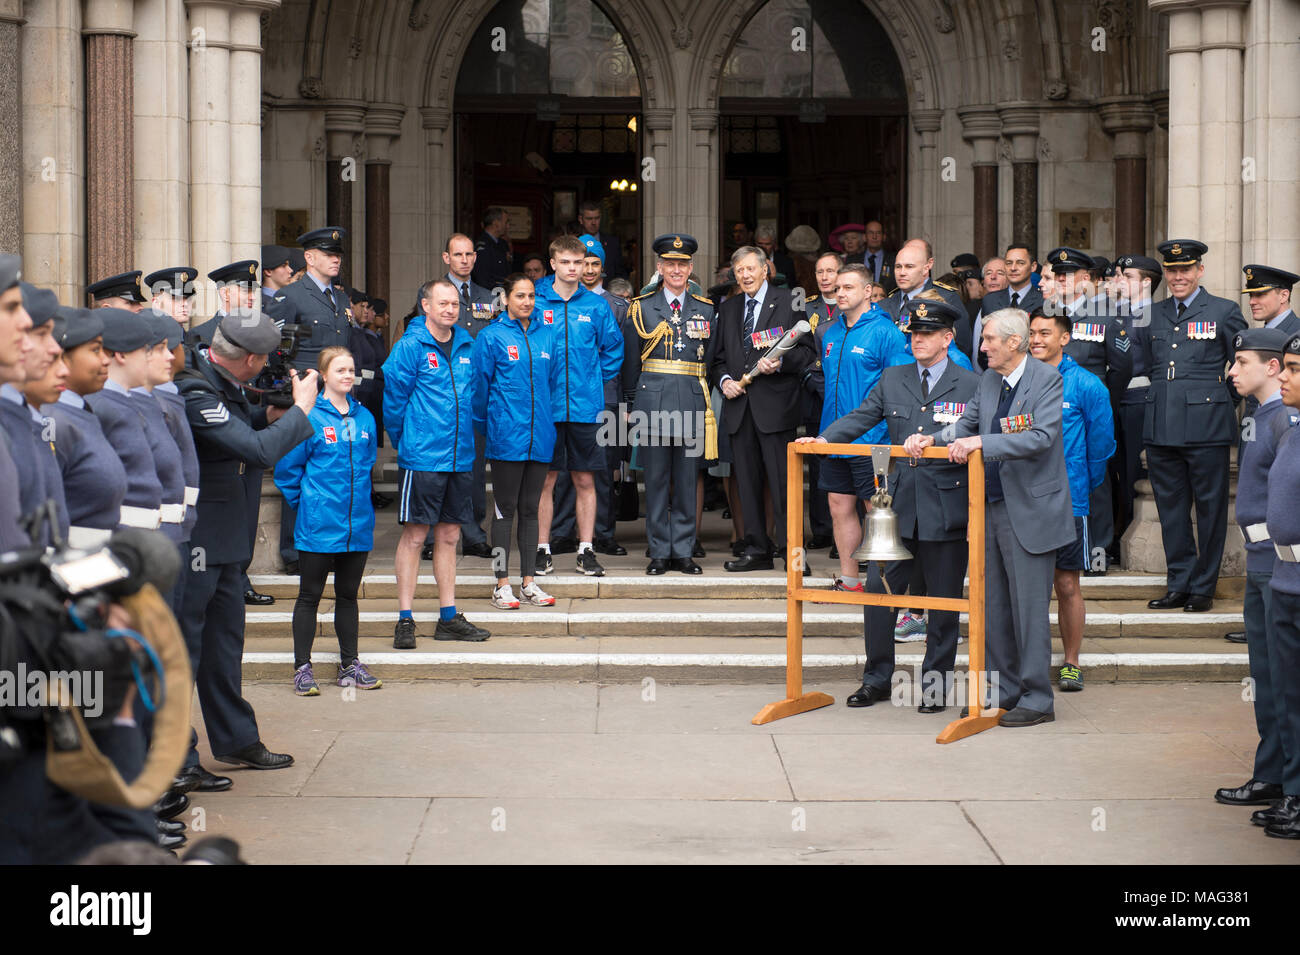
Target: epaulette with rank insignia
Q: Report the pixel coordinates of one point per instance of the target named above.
(637, 298)
(702, 298)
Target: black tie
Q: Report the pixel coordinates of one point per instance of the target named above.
(925, 382)
(1182, 307)
(464, 295)
(871, 264)
(1015, 299)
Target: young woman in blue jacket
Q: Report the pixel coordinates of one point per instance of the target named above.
(513, 364)
(326, 479)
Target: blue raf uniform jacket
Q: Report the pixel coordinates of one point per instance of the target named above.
(323, 316)
(234, 444)
(124, 427)
(94, 479)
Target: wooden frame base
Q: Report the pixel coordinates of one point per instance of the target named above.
(792, 707)
(969, 726)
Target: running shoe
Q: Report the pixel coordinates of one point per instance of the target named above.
(1071, 679)
(356, 674)
(537, 596)
(458, 628)
(503, 598)
(589, 565)
(909, 629)
(544, 565)
(841, 585)
(404, 634)
(304, 684)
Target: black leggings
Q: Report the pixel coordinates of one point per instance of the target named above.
(516, 485)
(313, 568)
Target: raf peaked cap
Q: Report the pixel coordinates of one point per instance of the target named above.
(11, 270)
(177, 281)
(1182, 251)
(675, 246)
(40, 303)
(1065, 259)
(274, 256)
(1261, 278)
(76, 326)
(243, 272)
(125, 331)
(328, 239)
(1261, 339)
(255, 334)
(924, 315)
(126, 285)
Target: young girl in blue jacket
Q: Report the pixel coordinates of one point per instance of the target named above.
(326, 479)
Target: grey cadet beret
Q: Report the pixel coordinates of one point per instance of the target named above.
(11, 270)
(76, 326)
(125, 331)
(256, 334)
(40, 303)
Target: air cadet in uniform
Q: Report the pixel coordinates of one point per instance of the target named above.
(1282, 519)
(320, 311)
(1139, 276)
(168, 461)
(236, 295)
(312, 302)
(1256, 372)
(171, 292)
(1190, 424)
(1099, 343)
(234, 442)
(668, 343)
(930, 498)
(119, 291)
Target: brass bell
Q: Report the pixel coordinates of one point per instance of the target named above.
(880, 539)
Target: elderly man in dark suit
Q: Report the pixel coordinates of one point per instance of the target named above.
(761, 418)
(1014, 418)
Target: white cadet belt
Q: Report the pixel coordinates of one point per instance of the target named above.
(146, 517)
(1141, 381)
(367, 373)
(1256, 533)
(88, 538)
(191, 496)
(1288, 552)
(172, 513)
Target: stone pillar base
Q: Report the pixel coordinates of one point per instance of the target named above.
(266, 549)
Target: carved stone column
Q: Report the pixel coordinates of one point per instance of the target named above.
(383, 125)
(1020, 125)
(927, 123)
(980, 126)
(705, 170)
(1128, 119)
(344, 123)
(439, 172)
(110, 138)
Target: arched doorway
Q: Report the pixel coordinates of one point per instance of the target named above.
(813, 111)
(547, 109)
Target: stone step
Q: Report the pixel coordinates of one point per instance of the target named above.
(716, 659)
(473, 582)
(733, 619)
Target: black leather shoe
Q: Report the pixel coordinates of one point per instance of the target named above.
(737, 548)
(170, 841)
(931, 708)
(697, 550)
(426, 553)
(1169, 601)
(1021, 716)
(171, 805)
(1237, 636)
(687, 566)
(481, 549)
(1198, 603)
(609, 546)
(1286, 809)
(658, 566)
(817, 543)
(170, 826)
(212, 783)
(748, 562)
(866, 694)
(253, 599)
(1288, 828)
(187, 780)
(564, 545)
(257, 756)
(1252, 793)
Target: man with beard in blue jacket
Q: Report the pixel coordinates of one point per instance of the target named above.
(588, 352)
(428, 412)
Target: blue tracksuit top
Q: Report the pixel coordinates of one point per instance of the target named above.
(512, 389)
(427, 394)
(852, 360)
(588, 351)
(1087, 431)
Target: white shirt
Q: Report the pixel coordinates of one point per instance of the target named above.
(669, 297)
(757, 298)
(1013, 379)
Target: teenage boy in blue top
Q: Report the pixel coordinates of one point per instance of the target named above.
(588, 352)
(858, 345)
(1088, 436)
(1255, 373)
(427, 410)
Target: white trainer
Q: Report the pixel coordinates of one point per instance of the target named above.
(503, 598)
(537, 596)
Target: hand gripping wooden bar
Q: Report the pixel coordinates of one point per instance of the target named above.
(797, 701)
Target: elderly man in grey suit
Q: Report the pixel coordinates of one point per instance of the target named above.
(1014, 418)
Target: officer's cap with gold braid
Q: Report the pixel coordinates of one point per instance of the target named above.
(924, 315)
(1262, 278)
(1181, 251)
(675, 245)
(243, 272)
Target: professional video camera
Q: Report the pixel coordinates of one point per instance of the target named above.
(274, 386)
(69, 656)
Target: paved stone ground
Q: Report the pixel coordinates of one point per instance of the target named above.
(502, 772)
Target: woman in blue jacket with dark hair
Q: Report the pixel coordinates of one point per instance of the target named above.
(326, 479)
(513, 364)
